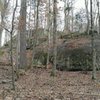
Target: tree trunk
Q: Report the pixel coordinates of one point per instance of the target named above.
(3, 15)
(35, 39)
(11, 47)
(53, 73)
(72, 20)
(99, 16)
(87, 15)
(22, 32)
(92, 43)
(2, 23)
(48, 31)
(66, 16)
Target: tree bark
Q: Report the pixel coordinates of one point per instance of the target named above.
(22, 32)
(87, 15)
(11, 47)
(92, 43)
(99, 16)
(48, 31)
(53, 73)
(35, 39)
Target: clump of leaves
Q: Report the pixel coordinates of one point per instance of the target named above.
(1, 52)
(81, 60)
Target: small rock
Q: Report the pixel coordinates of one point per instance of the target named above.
(57, 99)
(68, 99)
(18, 98)
(9, 98)
(60, 96)
(5, 81)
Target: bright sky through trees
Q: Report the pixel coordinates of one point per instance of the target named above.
(78, 5)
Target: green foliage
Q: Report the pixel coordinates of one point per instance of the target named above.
(1, 52)
(81, 60)
(73, 35)
(1, 5)
(40, 58)
(43, 58)
(6, 45)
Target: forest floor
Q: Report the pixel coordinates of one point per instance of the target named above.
(37, 84)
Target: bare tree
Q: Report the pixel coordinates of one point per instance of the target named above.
(11, 47)
(92, 43)
(35, 39)
(87, 15)
(66, 13)
(48, 30)
(98, 5)
(22, 36)
(4, 7)
(53, 73)
(67, 8)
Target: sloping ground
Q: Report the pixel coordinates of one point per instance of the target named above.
(4, 56)
(65, 47)
(5, 80)
(78, 48)
(70, 44)
(37, 84)
(5, 71)
(83, 42)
